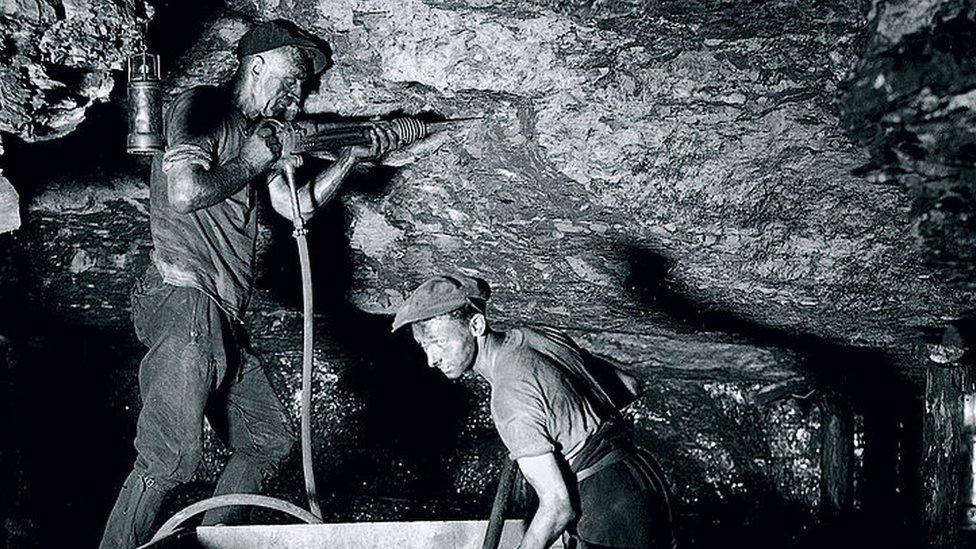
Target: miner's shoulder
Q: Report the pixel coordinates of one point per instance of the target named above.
(515, 358)
(203, 94)
(200, 108)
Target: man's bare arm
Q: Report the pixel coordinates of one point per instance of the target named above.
(555, 509)
(314, 195)
(326, 185)
(191, 186)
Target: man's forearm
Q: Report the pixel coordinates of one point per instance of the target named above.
(192, 188)
(326, 185)
(547, 524)
(314, 195)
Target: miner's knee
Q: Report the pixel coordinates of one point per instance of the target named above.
(170, 462)
(274, 444)
(279, 447)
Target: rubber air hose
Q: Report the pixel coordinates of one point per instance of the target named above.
(307, 343)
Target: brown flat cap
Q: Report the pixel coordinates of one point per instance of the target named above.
(278, 34)
(440, 295)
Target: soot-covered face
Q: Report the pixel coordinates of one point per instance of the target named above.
(278, 77)
(448, 342)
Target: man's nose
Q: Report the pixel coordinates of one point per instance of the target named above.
(432, 361)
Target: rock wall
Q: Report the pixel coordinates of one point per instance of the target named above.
(631, 164)
(9, 203)
(57, 58)
(916, 89)
(699, 192)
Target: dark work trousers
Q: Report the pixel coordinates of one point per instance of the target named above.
(199, 364)
(623, 506)
(623, 501)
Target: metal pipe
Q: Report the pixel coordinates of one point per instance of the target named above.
(308, 136)
(493, 534)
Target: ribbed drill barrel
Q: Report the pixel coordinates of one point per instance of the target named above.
(409, 130)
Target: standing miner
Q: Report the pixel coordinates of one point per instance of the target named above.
(188, 307)
(556, 409)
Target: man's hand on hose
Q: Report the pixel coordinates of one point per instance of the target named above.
(261, 148)
(289, 161)
(382, 140)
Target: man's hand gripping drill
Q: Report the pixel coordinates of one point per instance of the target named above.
(287, 141)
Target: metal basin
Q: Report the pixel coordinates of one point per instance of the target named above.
(466, 534)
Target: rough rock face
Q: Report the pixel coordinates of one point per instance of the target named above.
(912, 101)
(635, 165)
(57, 59)
(9, 203)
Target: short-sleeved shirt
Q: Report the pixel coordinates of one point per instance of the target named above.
(211, 249)
(538, 405)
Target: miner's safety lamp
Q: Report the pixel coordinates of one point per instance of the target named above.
(145, 104)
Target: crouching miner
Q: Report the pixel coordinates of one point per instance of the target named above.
(188, 307)
(556, 409)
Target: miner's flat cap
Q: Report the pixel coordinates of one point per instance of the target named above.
(278, 34)
(440, 295)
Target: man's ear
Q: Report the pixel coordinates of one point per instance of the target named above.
(478, 325)
(257, 64)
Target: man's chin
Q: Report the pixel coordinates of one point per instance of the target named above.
(283, 115)
(453, 374)
(287, 113)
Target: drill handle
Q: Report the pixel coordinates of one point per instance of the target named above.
(335, 139)
(315, 137)
(288, 169)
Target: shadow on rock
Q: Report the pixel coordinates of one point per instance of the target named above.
(866, 381)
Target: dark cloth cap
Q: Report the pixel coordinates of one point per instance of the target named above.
(441, 295)
(278, 34)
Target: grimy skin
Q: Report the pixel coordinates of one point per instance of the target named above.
(269, 85)
(452, 344)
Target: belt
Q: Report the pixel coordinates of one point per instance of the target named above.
(611, 458)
